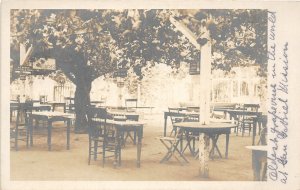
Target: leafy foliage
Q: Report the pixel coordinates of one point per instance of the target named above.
(100, 41)
(239, 37)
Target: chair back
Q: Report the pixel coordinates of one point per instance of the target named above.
(96, 119)
(193, 109)
(175, 118)
(174, 110)
(131, 104)
(70, 104)
(23, 112)
(251, 107)
(43, 99)
(192, 118)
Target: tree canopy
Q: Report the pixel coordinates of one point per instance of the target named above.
(100, 41)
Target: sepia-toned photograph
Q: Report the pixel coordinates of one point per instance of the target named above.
(138, 94)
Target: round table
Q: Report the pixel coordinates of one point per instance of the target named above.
(256, 114)
(206, 132)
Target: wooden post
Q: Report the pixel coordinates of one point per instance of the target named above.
(205, 89)
(203, 155)
(205, 82)
(22, 54)
(139, 92)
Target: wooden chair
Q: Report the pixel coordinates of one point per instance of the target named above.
(174, 140)
(43, 99)
(101, 136)
(171, 143)
(131, 104)
(193, 109)
(246, 122)
(190, 137)
(21, 130)
(128, 133)
(70, 105)
(175, 117)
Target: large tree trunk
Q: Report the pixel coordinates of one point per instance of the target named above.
(82, 100)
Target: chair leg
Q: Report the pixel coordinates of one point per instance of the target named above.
(103, 153)
(119, 150)
(134, 137)
(250, 128)
(17, 131)
(264, 172)
(16, 138)
(168, 153)
(95, 149)
(243, 129)
(90, 151)
(27, 136)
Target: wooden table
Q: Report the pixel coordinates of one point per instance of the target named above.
(205, 133)
(133, 116)
(125, 126)
(259, 156)
(15, 106)
(235, 113)
(50, 117)
(129, 115)
(175, 114)
(57, 104)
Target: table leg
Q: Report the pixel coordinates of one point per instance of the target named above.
(203, 154)
(116, 148)
(227, 144)
(139, 147)
(31, 131)
(254, 132)
(256, 165)
(17, 131)
(134, 137)
(214, 139)
(11, 113)
(68, 133)
(27, 132)
(49, 134)
(212, 151)
(259, 126)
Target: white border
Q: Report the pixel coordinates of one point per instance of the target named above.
(289, 30)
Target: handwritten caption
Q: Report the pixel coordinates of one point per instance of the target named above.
(278, 110)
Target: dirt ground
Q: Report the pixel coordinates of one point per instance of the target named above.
(37, 163)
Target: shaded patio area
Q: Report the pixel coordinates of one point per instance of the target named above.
(48, 165)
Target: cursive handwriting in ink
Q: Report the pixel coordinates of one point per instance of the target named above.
(272, 22)
(272, 44)
(279, 106)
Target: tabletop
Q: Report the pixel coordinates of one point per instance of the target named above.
(258, 148)
(212, 125)
(54, 102)
(53, 114)
(125, 123)
(122, 113)
(214, 120)
(247, 112)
